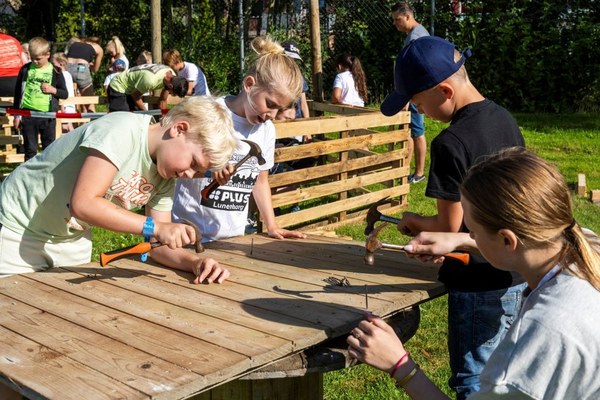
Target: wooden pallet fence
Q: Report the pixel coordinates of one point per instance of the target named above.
(362, 159)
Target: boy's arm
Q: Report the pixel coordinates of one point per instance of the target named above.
(448, 219)
(136, 95)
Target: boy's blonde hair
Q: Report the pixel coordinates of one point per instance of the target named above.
(210, 126)
(38, 46)
(145, 57)
(171, 58)
(517, 190)
(273, 70)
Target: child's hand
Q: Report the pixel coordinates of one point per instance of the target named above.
(374, 342)
(208, 270)
(174, 235)
(48, 89)
(222, 176)
(280, 233)
(431, 246)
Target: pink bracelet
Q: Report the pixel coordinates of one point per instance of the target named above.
(404, 356)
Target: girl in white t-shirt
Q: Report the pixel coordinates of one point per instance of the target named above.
(272, 83)
(350, 84)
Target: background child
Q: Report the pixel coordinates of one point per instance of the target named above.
(39, 86)
(117, 67)
(350, 84)
(84, 58)
(59, 60)
(518, 210)
(97, 174)
(190, 71)
(145, 57)
(116, 51)
(482, 300)
(272, 83)
(125, 91)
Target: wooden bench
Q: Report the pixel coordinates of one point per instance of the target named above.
(363, 159)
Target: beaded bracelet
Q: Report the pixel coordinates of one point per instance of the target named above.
(401, 383)
(397, 365)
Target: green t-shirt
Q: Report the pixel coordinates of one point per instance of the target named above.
(33, 98)
(143, 78)
(34, 198)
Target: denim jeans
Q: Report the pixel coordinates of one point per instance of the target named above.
(477, 321)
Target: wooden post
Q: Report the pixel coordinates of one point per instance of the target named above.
(156, 31)
(315, 40)
(581, 185)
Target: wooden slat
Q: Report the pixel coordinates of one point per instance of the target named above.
(41, 373)
(111, 359)
(327, 189)
(337, 206)
(313, 126)
(320, 171)
(12, 158)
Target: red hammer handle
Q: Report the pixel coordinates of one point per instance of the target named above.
(135, 249)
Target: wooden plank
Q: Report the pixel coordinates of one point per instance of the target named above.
(327, 317)
(581, 185)
(335, 146)
(327, 189)
(12, 158)
(40, 373)
(595, 195)
(320, 171)
(320, 125)
(194, 298)
(110, 358)
(12, 139)
(173, 317)
(341, 109)
(171, 346)
(316, 212)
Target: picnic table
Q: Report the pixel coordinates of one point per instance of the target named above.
(134, 330)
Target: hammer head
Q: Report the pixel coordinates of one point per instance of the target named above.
(372, 244)
(255, 151)
(373, 215)
(198, 247)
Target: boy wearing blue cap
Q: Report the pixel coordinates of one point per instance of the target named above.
(482, 300)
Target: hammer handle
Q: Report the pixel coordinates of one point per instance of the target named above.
(135, 249)
(387, 218)
(214, 184)
(462, 257)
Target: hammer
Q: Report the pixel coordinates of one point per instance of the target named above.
(145, 247)
(373, 215)
(255, 151)
(373, 244)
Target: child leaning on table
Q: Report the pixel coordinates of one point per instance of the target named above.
(100, 172)
(519, 213)
(272, 84)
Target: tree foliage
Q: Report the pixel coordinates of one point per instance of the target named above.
(540, 55)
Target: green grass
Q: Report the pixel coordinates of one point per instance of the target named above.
(572, 142)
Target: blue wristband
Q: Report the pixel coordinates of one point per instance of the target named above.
(148, 232)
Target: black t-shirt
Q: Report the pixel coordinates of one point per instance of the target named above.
(82, 50)
(477, 130)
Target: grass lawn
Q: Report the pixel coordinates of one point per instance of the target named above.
(572, 142)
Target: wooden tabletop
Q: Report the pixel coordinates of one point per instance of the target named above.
(139, 331)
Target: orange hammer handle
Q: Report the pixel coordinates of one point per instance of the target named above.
(462, 257)
(135, 249)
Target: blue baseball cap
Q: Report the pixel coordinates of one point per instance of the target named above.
(421, 65)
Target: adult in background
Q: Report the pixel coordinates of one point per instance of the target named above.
(84, 57)
(350, 84)
(404, 20)
(125, 91)
(190, 71)
(12, 58)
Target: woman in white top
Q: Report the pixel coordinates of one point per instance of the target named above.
(350, 84)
